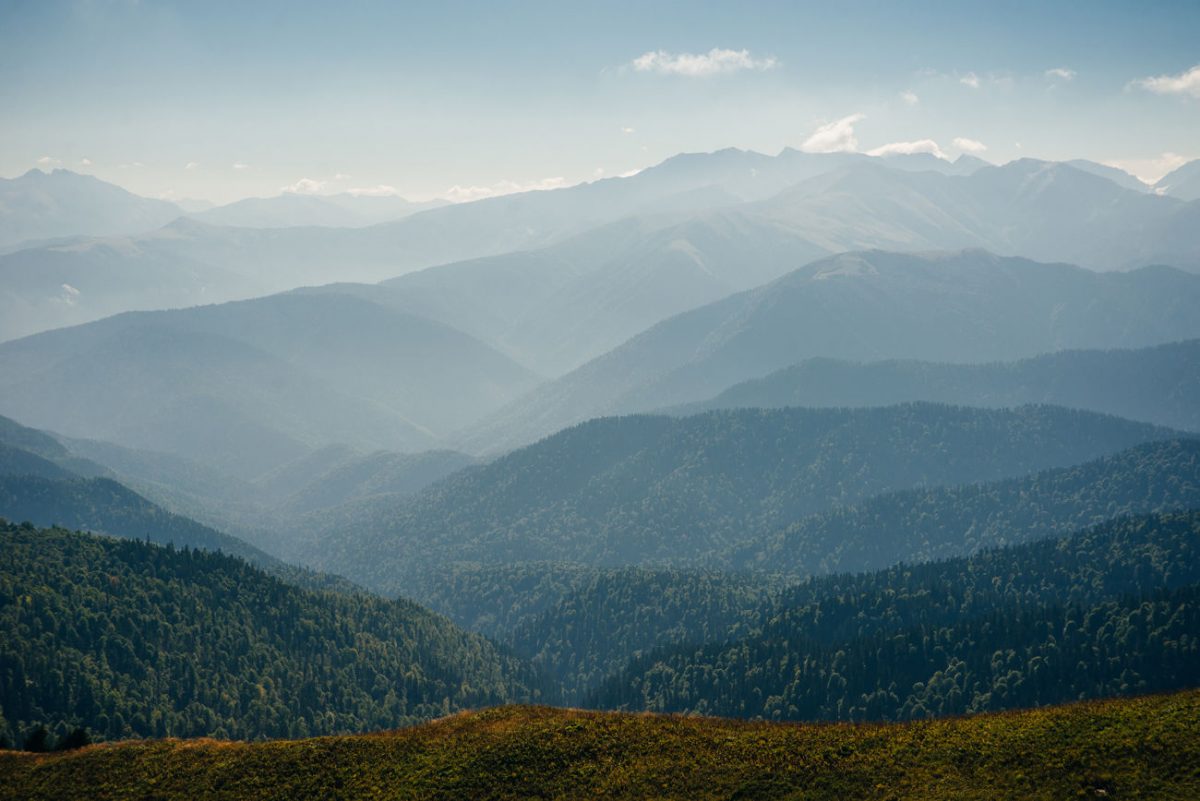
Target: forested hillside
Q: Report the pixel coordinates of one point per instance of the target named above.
(579, 625)
(921, 525)
(1110, 611)
(105, 506)
(1159, 384)
(127, 639)
(637, 490)
(45, 492)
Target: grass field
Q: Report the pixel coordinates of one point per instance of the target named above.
(1140, 748)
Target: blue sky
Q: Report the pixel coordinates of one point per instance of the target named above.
(224, 100)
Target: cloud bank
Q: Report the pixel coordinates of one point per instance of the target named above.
(908, 149)
(1185, 83)
(701, 65)
(305, 186)
(834, 137)
(463, 194)
(969, 145)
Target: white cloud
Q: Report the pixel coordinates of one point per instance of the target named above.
(305, 186)
(462, 194)
(700, 65)
(341, 176)
(1185, 83)
(241, 165)
(908, 149)
(191, 165)
(910, 97)
(49, 161)
(85, 162)
(69, 294)
(597, 173)
(630, 173)
(969, 145)
(627, 130)
(380, 190)
(970, 79)
(1150, 170)
(132, 165)
(1062, 73)
(834, 137)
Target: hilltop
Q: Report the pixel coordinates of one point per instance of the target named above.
(1140, 748)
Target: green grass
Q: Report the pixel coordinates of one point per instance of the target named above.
(1140, 748)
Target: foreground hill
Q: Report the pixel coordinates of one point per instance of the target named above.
(963, 306)
(685, 491)
(130, 639)
(1144, 748)
(1160, 384)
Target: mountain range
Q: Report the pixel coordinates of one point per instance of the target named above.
(689, 491)
(965, 306)
(248, 386)
(792, 207)
(1159, 384)
(40, 205)
(292, 209)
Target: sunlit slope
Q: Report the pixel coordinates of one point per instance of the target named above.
(1142, 748)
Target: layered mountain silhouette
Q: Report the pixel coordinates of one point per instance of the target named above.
(40, 205)
(248, 386)
(965, 306)
(1182, 182)
(686, 491)
(1160, 384)
(793, 207)
(290, 209)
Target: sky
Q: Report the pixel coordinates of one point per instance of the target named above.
(221, 100)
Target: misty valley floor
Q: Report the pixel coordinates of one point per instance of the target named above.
(1131, 748)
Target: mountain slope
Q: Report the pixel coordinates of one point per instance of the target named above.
(255, 511)
(920, 525)
(130, 639)
(1132, 749)
(247, 386)
(61, 203)
(291, 209)
(1182, 182)
(1160, 384)
(106, 507)
(966, 306)
(559, 306)
(50, 485)
(1111, 611)
(1115, 174)
(663, 490)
